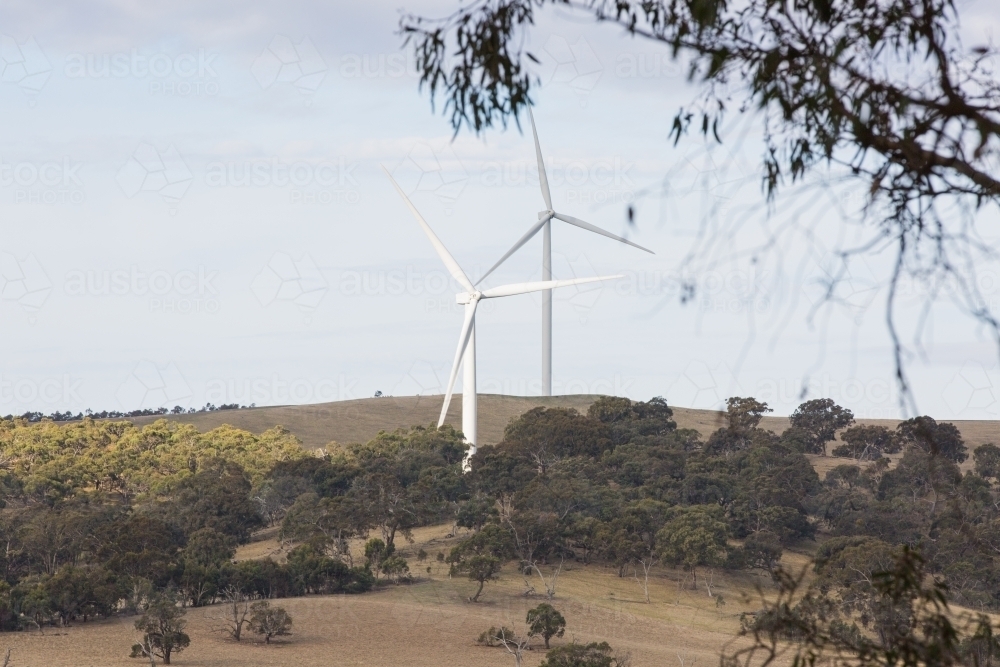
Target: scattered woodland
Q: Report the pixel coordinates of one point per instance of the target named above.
(102, 518)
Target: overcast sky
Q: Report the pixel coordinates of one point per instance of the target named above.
(193, 212)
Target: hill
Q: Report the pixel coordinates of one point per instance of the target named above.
(431, 623)
(361, 419)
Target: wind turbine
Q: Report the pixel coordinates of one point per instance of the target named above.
(544, 224)
(465, 354)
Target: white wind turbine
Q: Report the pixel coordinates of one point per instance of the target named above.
(544, 223)
(465, 354)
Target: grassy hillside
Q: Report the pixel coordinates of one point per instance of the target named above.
(359, 420)
(431, 623)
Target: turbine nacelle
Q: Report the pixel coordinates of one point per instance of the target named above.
(465, 298)
(545, 216)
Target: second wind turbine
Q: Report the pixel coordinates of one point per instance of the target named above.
(545, 225)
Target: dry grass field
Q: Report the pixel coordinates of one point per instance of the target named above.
(359, 420)
(430, 623)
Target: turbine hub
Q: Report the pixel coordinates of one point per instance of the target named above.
(465, 298)
(545, 215)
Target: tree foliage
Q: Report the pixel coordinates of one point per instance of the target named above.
(883, 91)
(546, 622)
(162, 626)
(269, 621)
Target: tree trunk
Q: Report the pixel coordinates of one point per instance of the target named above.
(166, 656)
(546, 643)
(475, 598)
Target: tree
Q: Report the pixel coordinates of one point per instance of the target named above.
(987, 460)
(377, 553)
(481, 556)
(385, 502)
(396, 569)
(36, 602)
(936, 439)
(593, 654)
(162, 625)
(849, 566)
(611, 409)
(821, 418)
(269, 621)
(628, 419)
(631, 539)
(236, 610)
(515, 644)
(873, 90)
(216, 497)
(866, 442)
(546, 622)
(207, 547)
(744, 414)
(475, 512)
(802, 621)
(543, 436)
(695, 536)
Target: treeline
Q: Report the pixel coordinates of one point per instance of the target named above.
(99, 517)
(623, 486)
(35, 417)
(97, 514)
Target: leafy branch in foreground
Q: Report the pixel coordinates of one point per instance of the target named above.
(907, 623)
(883, 89)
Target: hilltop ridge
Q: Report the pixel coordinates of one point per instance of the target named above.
(358, 420)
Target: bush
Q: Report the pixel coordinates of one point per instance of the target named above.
(585, 655)
(489, 637)
(269, 621)
(396, 569)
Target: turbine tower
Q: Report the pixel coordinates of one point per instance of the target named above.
(465, 353)
(544, 224)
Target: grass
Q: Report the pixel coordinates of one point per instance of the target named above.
(430, 622)
(359, 420)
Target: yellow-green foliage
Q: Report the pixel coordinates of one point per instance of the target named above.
(119, 457)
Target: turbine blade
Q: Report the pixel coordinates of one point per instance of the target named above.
(463, 341)
(543, 179)
(524, 239)
(525, 288)
(453, 268)
(597, 230)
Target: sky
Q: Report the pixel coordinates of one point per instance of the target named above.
(193, 212)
